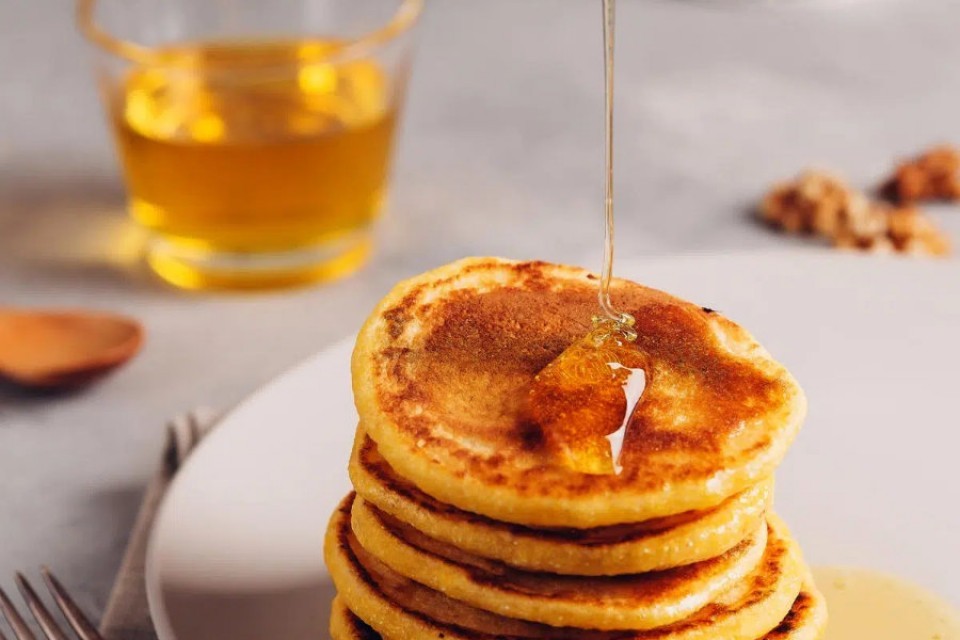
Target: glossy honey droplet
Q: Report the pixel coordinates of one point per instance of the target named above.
(583, 401)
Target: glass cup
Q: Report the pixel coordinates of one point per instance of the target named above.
(255, 135)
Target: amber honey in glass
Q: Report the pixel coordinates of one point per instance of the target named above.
(253, 161)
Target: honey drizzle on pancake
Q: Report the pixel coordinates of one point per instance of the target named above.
(583, 400)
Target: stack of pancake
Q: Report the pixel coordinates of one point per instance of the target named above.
(465, 525)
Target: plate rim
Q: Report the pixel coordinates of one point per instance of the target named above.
(158, 615)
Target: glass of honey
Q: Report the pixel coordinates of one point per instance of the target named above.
(255, 135)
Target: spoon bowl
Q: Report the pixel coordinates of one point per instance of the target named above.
(52, 348)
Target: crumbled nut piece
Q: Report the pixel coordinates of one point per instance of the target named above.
(870, 244)
(821, 204)
(860, 216)
(934, 175)
(811, 204)
(912, 232)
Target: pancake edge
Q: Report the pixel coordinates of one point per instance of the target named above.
(391, 620)
(712, 533)
(455, 581)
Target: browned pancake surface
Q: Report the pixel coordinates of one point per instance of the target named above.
(635, 601)
(444, 366)
(344, 625)
(806, 621)
(374, 464)
(394, 604)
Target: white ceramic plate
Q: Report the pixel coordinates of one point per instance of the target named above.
(873, 479)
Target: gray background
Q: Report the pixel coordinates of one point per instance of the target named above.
(501, 154)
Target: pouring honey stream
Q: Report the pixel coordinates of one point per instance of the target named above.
(584, 400)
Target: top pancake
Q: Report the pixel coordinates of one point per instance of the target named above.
(443, 366)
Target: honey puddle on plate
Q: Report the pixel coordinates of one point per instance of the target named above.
(867, 605)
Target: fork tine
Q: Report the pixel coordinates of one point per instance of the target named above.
(78, 621)
(17, 623)
(39, 611)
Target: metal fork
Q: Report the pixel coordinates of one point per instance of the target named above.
(75, 618)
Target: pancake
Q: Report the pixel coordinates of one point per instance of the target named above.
(654, 545)
(807, 620)
(346, 626)
(637, 601)
(397, 607)
(442, 370)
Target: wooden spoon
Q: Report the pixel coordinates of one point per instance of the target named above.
(63, 348)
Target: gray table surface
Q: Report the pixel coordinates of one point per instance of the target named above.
(501, 154)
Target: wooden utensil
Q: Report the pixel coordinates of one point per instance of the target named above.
(50, 349)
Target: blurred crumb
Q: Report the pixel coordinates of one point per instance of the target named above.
(906, 230)
(933, 175)
(821, 204)
(816, 202)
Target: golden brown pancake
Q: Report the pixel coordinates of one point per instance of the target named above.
(346, 626)
(807, 620)
(397, 607)
(654, 545)
(443, 367)
(636, 601)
